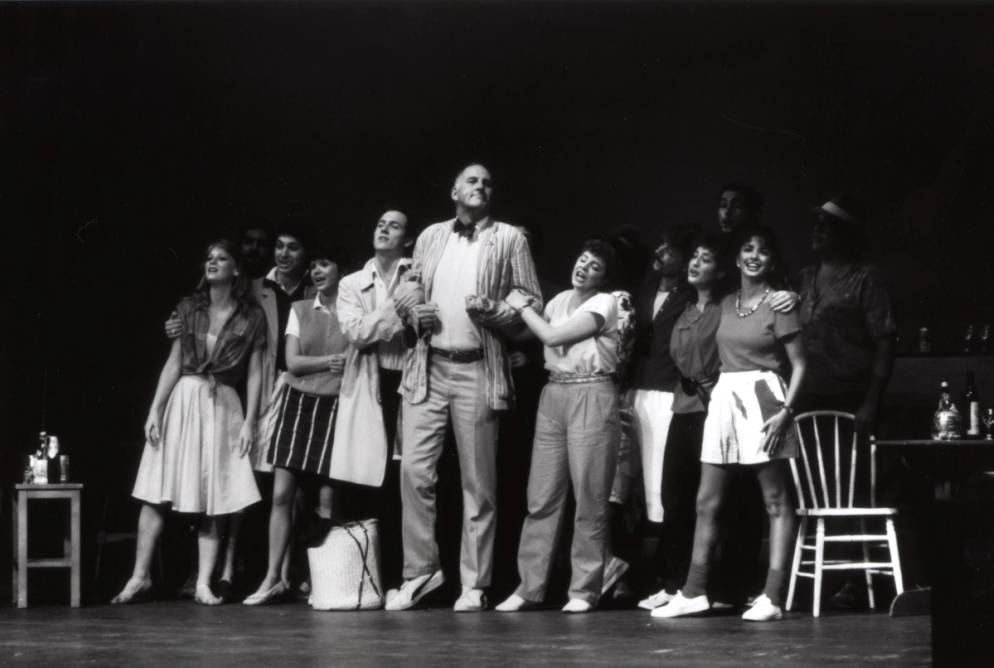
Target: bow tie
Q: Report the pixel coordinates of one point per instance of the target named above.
(464, 229)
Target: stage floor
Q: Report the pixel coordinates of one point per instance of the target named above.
(182, 633)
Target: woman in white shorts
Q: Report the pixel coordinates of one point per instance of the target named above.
(749, 422)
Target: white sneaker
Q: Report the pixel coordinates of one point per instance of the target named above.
(681, 606)
(577, 606)
(613, 571)
(763, 610)
(658, 599)
(414, 590)
(515, 603)
(471, 600)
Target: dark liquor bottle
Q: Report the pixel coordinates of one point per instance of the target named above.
(971, 406)
(968, 337)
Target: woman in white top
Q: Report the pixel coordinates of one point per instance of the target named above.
(576, 431)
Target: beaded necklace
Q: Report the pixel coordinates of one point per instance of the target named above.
(738, 304)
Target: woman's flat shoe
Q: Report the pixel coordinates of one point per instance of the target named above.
(139, 595)
(271, 595)
(681, 606)
(204, 596)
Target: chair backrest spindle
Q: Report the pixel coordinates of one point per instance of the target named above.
(827, 487)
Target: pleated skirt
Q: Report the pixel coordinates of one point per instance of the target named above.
(196, 465)
(304, 432)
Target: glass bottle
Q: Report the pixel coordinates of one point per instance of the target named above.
(971, 406)
(946, 423)
(968, 337)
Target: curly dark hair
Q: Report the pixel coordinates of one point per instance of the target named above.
(719, 248)
(777, 278)
(608, 254)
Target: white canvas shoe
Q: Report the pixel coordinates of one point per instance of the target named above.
(414, 590)
(515, 603)
(763, 610)
(681, 606)
(577, 606)
(660, 598)
(471, 600)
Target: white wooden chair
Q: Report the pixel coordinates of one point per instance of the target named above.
(827, 487)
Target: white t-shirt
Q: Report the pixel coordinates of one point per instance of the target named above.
(455, 278)
(595, 355)
(293, 323)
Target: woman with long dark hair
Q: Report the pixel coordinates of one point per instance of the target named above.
(749, 422)
(197, 437)
(695, 356)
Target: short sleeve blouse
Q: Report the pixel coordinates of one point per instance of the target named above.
(595, 355)
(754, 342)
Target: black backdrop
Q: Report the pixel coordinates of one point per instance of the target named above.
(133, 133)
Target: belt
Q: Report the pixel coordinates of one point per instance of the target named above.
(459, 356)
(571, 378)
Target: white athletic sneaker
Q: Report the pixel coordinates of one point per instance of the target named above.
(763, 610)
(471, 600)
(576, 606)
(681, 606)
(515, 603)
(658, 599)
(414, 590)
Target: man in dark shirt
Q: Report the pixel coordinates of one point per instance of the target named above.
(847, 319)
(849, 328)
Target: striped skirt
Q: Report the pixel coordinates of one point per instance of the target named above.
(740, 403)
(304, 431)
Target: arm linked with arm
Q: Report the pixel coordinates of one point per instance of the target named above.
(523, 279)
(363, 329)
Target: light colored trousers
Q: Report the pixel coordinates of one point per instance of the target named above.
(576, 441)
(456, 390)
(652, 412)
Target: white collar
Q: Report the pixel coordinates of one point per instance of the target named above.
(318, 306)
(271, 276)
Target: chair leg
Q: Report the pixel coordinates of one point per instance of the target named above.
(819, 565)
(866, 558)
(16, 565)
(22, 552)
(795, 567)
(895, 557)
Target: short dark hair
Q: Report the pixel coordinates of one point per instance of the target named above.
(334, 253)
(608, 254)
(679, 236)
(766, 234)
(254, 223)
(300, 229)
(411, 229)
(753, 198)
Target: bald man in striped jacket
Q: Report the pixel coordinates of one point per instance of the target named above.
(459, 369)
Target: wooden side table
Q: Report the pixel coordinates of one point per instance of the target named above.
(71, 541)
